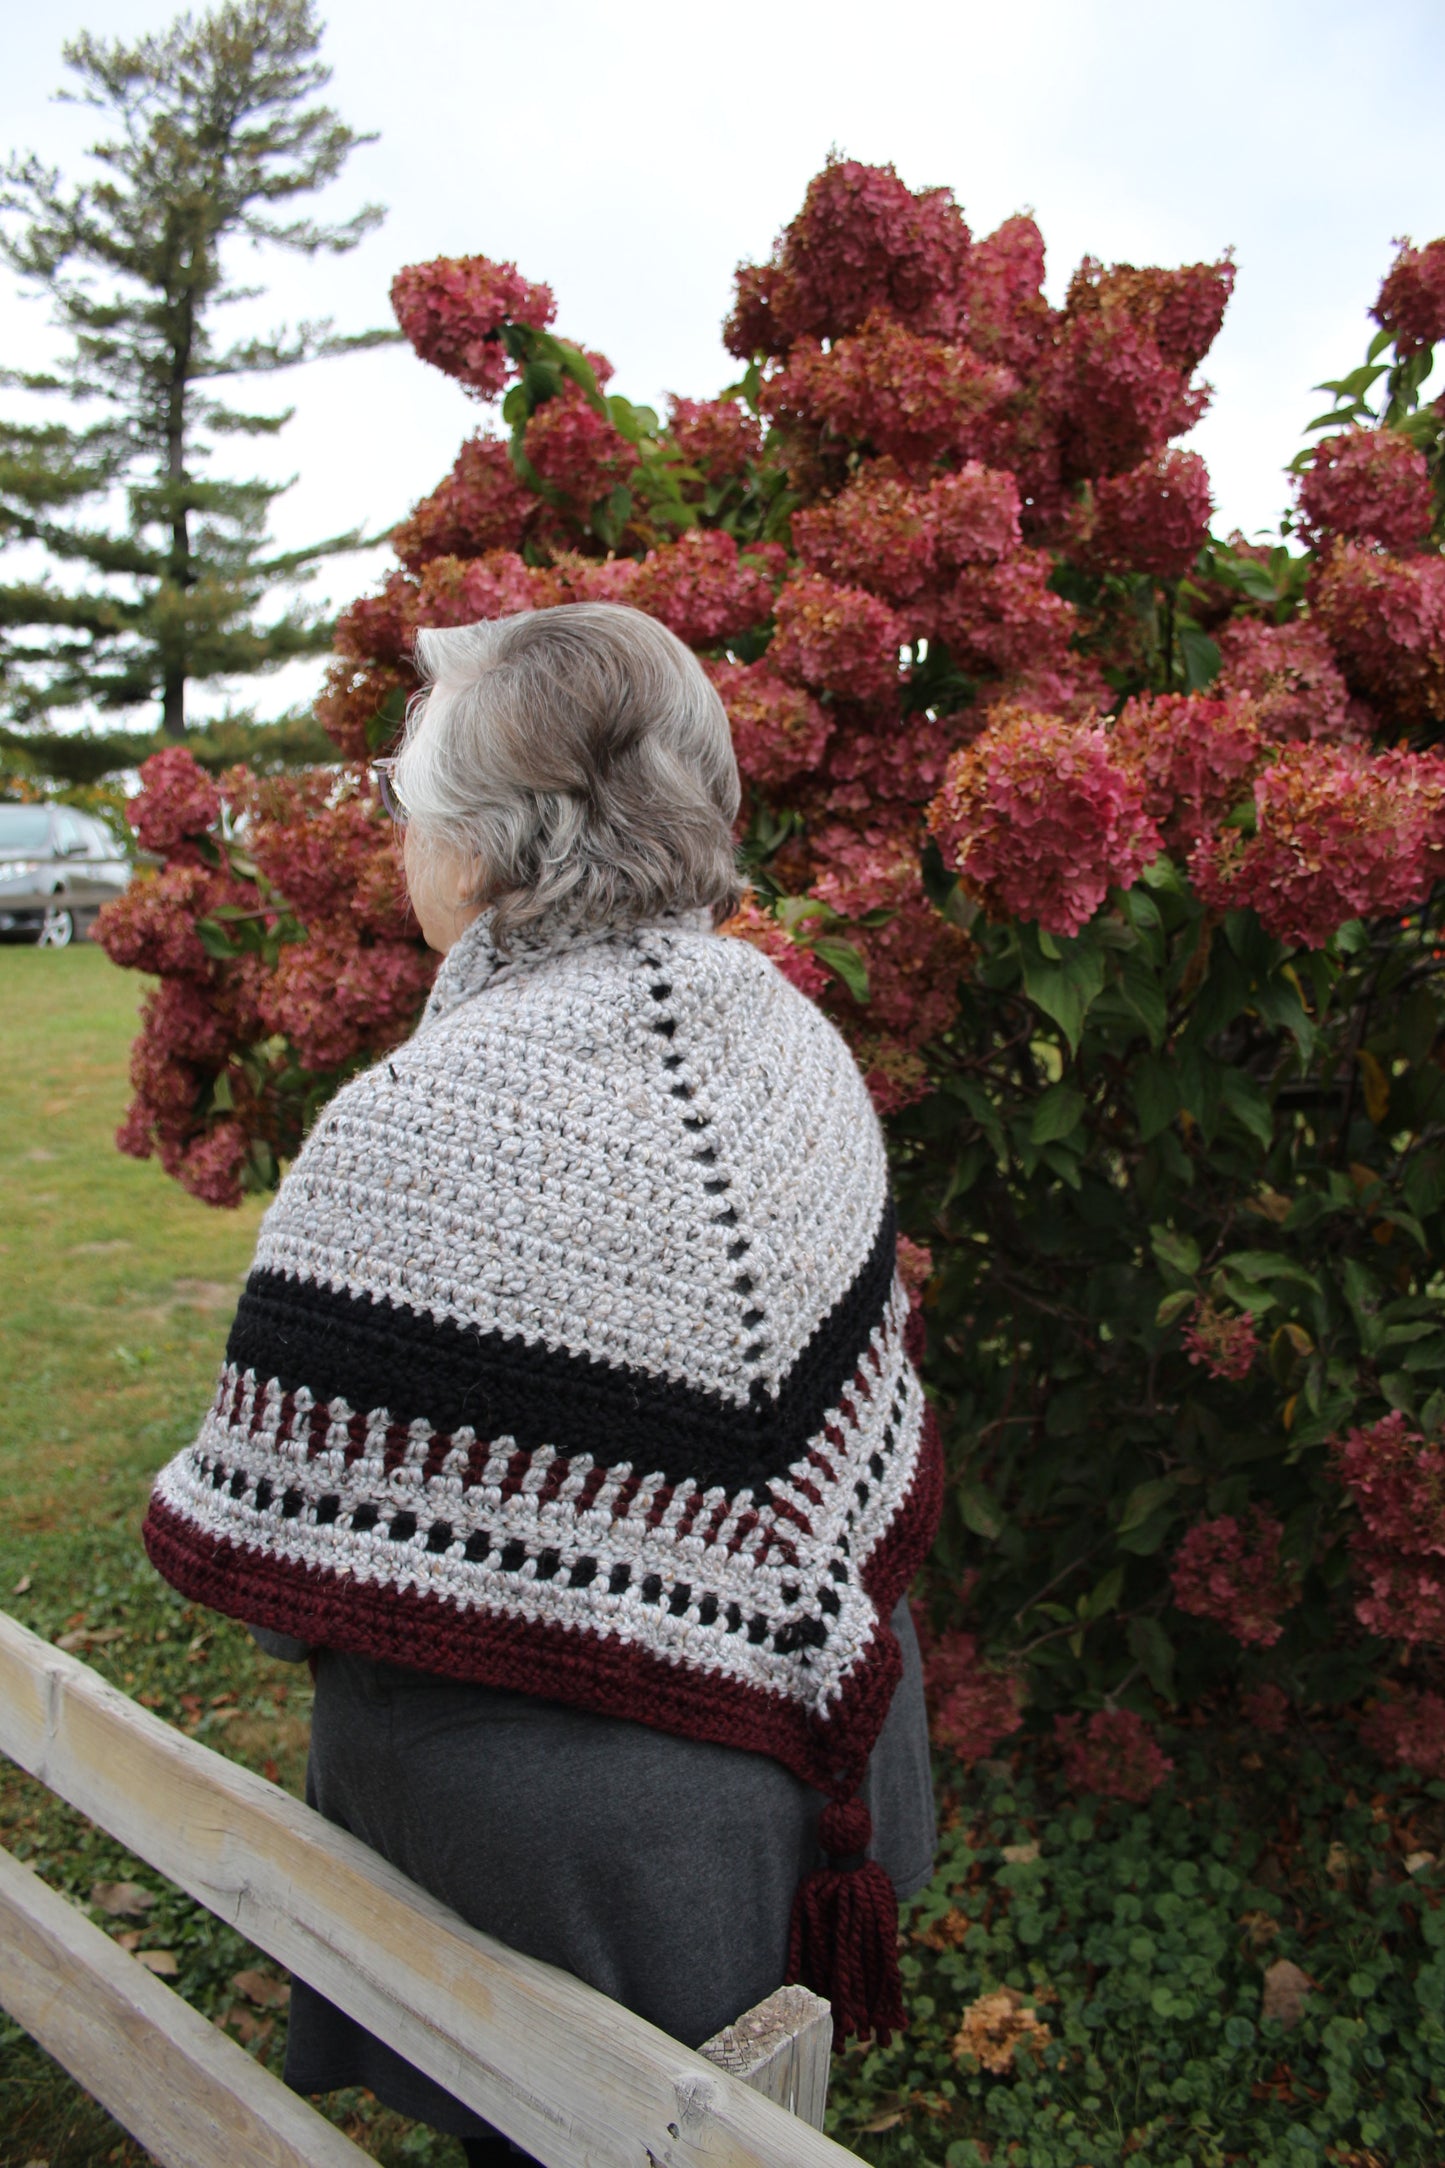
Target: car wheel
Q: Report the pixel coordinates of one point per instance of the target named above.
(57, 929)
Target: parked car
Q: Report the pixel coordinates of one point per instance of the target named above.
(57, 867)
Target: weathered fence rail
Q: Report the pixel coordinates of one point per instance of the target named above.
(571, 2076)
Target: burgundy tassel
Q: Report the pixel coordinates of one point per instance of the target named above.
(844, 1938)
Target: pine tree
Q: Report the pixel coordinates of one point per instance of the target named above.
(217, 133)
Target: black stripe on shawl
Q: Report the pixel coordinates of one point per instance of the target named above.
(377, 1353)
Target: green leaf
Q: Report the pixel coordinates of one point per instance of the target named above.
(1182, 1299)
(1249, 1103)
(987, 1115)
(843, 959)
(1269, 1265)
(1155, 1090)
(1179, 1252)
(1104, 1595)
(1200, 656)
(1057, 1114)
(1145, 1500)
(215, 941)
(1150, 1646)
(1064, 991)
(979, 1511)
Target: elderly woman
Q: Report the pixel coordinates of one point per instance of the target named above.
(566, 1418)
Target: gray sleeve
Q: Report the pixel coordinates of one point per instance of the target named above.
(898, 1790)
(285, 1647)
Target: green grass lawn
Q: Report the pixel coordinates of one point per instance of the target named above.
(118, 1293)
(118, 1287)
(1127, 1949)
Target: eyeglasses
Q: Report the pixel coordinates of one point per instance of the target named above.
(392, 802)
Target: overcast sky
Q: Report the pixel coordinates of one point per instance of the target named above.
(631, 157)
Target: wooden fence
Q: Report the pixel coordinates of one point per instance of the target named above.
(571, 2076)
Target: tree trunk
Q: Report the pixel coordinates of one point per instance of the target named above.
(178, 569)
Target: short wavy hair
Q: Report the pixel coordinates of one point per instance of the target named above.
(582, 757)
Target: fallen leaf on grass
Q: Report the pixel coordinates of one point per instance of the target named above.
(1286, 1990)
(91, 1637)
(22, 1586)
(994, 2026)
(946, 1933)
(130, 1940)
(889, 2120)
(262, 1988)
(1020, 1855)
(1259, 1928)
(1417, 1862)
(245, 2024)
(122, 1900)
(163, 1963)
(1337, 1865)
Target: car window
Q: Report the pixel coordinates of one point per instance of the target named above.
(24, 828)
(68, 835)
(102, 842)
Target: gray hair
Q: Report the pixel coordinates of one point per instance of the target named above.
(581, 756)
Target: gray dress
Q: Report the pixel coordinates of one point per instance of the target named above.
(660, 1870)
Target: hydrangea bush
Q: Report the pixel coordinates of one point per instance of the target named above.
(1112, 847)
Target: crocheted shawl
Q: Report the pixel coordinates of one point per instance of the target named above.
(572, 1359)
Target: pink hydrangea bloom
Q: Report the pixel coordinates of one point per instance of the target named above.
(1005, 618)
(453, 309)
(1230, 1571)
(914, 960)
(482, 505)
(1265, 1709)
(381, 627)
(211, 1167)
(333, 999)
(718, 436)
(837, 639)
(351, 701)
(751, 923)
(1009, 320)
(864, 242)
(1192, 756)
(751, 327)
(1340, 835)
(779, 730)
(152, 927)
(971, 1705)
(1290, 674)
(879, 758)
(184, 1019)
(1411, 306)
(1224, 1342)
(915, 1267)
(701, 589)
(1407, 1730)
(898, 540)
(1370, 485)
(914, 399)
(1155, 518)
(1397, 1482)
(176, 802)
(1114, 1755)
(1040, 820)
(575, 449)
(1130, 340)
(1385, 619)
(466, 590)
